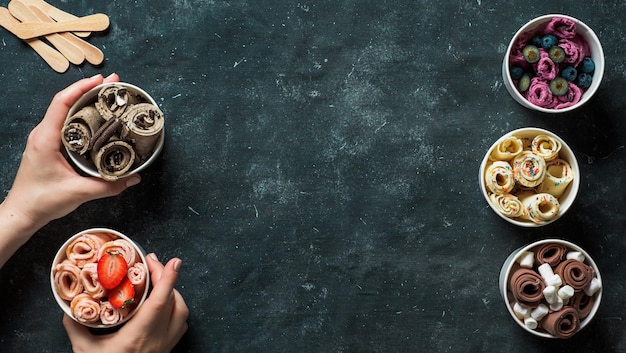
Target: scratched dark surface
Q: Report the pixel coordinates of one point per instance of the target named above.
(319, 175)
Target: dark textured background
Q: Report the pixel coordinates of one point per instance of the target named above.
(319, 177)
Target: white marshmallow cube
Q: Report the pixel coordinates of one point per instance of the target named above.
(550, 293)
(558, 305)
(539, 312)
(566, 292)
(530, 323)
(593, 287)
(521, 311)
(576, 255)
(527, 259)
(545, 271)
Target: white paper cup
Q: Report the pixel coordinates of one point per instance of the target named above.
(65, 304)
(511, 264)
(597, 54)
(85, 164)
(565, 200)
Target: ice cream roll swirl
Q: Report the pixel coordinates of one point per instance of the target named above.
(110, 315)
(89, 279)
(540, 208)
(563, 323)
(529, 169)
(545, 146)
(583, 303)
(122, 247)
(85, 308)
(499, 178)
(67, 280)
(507, 204)
(79, 129)
(84, 249)
(508, 148)
(550, 253)
(527, 287)
(143, 125)
(558, 176)
(114, 159)
(113, 100)
(574, 273)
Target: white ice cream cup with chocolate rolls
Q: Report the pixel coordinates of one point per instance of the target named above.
(77, 288)
(532, 278)
(113, 131)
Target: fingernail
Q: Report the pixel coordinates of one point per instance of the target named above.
(132, 181)
(94, 76)
(177, 264)
(111, 75)
(153, 256)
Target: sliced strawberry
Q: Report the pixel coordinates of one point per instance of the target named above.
(112, 268)
(123, 295)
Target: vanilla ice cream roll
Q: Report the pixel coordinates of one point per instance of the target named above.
(546, 147)
(510, 147)
(114, 159)
(79, 129)
(499, 178)
(558, 176)
(143, 125)
(113, 100)
(507, 204)
(540, 208)
(529, 169)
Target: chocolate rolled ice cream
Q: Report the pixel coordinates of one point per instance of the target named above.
(552, 288)
(117, 131)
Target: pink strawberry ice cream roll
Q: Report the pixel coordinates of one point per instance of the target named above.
(67, 280)
(517, 56)
(85, 308)
(545, 68)
(539, 93)
(561, 27)
(89, 279)
(137, 276)
(84, 249)
(122, 247)
(110, 315)
(575, 50)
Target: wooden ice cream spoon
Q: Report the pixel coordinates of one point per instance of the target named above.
(56, 60)
(54, 13)
(27, 30)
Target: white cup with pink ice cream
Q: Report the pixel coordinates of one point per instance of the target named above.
(80, 292)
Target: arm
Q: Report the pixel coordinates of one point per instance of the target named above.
(46, 187)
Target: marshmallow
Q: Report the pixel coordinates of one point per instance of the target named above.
(558, 305)
(576, 255)
(527, 259)
(545, 270)
(593, 286)
(551, 295)
(554, 281)
(530, 323)
(521, 311)
(566, 292)
(539, 312)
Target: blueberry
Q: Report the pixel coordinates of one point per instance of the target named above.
(531, 53)
(569, 73)
(548, 41)
(537, 41)
(516, 72)
(524, 82)
(557, 54)
(584, 80)
(558, 86)
(587, 65)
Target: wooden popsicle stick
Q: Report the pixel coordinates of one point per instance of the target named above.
(69, 50)
(56, 60)
(93, 55)
(55, 13)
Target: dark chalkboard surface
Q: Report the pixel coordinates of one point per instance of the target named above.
(319, 174)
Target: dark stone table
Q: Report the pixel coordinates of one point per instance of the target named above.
(320, 172)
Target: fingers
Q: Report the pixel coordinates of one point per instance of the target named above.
(164, 278)
(63, 100)
(78, 334)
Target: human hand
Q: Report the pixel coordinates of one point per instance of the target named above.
(46, 186)
(156, 327)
